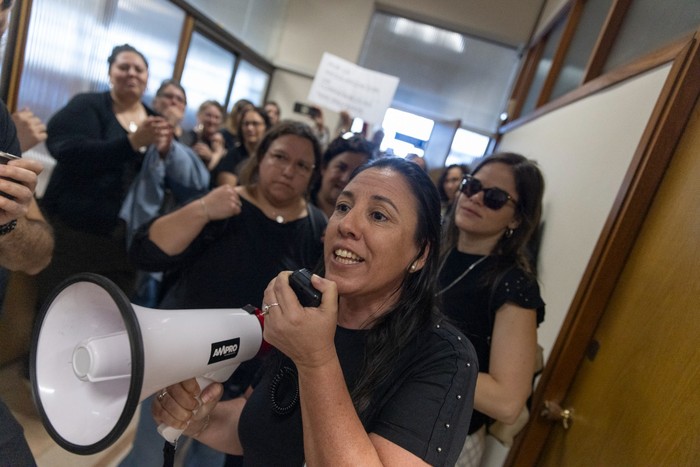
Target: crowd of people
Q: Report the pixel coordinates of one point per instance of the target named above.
(430, 305)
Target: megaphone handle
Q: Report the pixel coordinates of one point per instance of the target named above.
(172, 434)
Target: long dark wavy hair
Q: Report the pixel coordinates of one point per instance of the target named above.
(415, 308)
(529, 185)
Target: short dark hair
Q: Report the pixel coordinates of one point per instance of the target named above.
(211, 103)
(118, 49)
(170, 82)
(355, 143)
(272, 103)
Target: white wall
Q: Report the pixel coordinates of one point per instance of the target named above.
(583, 150)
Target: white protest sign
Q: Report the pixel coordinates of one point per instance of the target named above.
(341, 85)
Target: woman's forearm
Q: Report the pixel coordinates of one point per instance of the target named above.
(174, 232)
(501, 393)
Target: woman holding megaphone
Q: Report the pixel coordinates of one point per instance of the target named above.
(221, 250)
(373, 375)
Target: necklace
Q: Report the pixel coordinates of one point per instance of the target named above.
(461, 276)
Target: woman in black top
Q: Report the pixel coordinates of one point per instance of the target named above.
(98, 141)
(488, 288)
(373, 375)
(222, 250)
(205, 138)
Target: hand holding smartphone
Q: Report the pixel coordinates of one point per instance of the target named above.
(6, 157)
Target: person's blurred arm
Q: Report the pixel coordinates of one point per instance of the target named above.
(30, 129)
(28, 245)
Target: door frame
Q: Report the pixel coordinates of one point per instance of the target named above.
(635, 196)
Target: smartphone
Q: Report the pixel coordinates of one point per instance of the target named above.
(300, 282)
(5, 157)
(305, 109)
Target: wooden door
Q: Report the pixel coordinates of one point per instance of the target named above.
(637, 401)
(634, 399)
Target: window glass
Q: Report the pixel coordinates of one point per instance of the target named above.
(577, 56)
(257, 23)
(543, 67)
(649, 24)
(3, 44)
(405, 133)
(55, 70)
(207, 75)
(69, 41)
(443, 74)
(466, 147)
(250, 83)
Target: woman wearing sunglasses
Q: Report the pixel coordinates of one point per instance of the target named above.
(488, 288)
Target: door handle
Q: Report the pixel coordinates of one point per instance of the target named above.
(553, 412)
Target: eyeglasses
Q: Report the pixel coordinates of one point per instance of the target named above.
(494, 198)
(283, 161)
(173, 97)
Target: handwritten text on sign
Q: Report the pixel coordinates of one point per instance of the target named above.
(341, 85)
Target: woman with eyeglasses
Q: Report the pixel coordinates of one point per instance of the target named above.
(221, 250)
(487, 286)
(252, 125)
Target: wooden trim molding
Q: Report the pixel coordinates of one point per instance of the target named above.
(635, 196)
(183, 46)
(20, 26)
(572, 20)
(606, 39)
(525, 79)
(662, 56)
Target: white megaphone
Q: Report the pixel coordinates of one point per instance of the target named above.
(95, 357)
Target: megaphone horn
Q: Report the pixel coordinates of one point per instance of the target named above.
(95, 357)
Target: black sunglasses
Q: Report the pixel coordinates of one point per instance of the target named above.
(494, 198)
